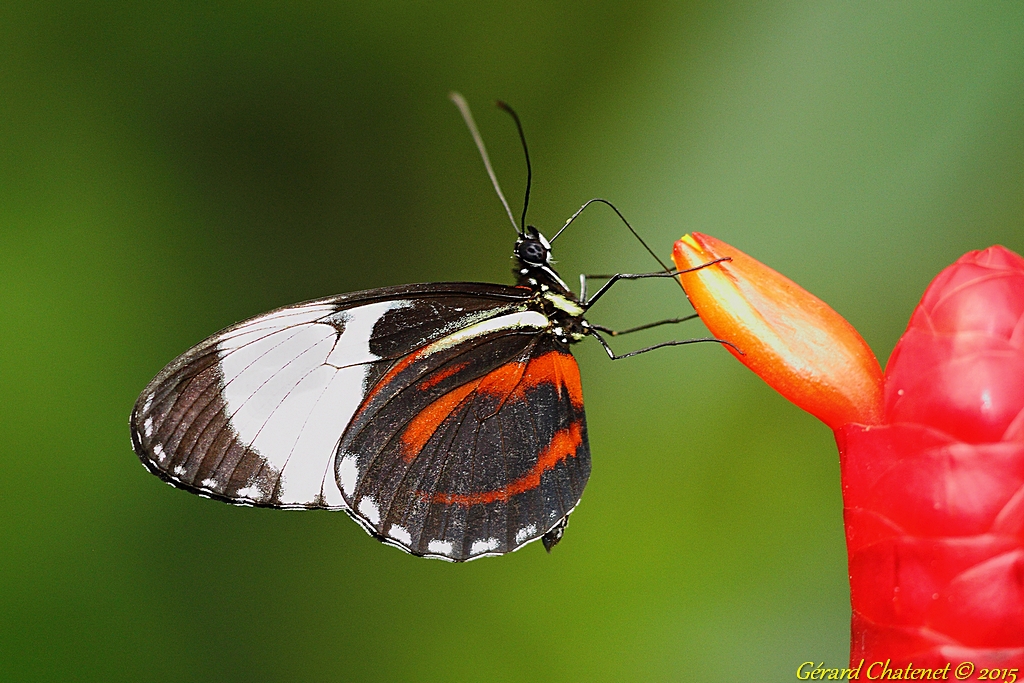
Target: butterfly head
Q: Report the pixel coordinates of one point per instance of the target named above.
(533, 249)
(533, 257)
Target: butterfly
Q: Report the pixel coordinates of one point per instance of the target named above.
(445, 418)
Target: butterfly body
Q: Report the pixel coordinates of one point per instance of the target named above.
(446, 418)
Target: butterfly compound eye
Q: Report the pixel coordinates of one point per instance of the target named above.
(532, 252)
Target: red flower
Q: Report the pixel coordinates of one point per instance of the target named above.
(933, 485)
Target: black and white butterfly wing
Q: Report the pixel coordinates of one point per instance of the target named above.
(253, 414)
(260, 413)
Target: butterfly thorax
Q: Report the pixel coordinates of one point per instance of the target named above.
(551, 296)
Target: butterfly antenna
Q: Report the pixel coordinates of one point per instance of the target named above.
(526, 153)
(467, 115)
(618, 213)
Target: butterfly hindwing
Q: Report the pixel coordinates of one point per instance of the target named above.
(253, 415)
(469, 449)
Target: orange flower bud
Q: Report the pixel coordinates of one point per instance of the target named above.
(790, 338)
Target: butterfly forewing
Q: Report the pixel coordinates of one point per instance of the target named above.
(253, 414)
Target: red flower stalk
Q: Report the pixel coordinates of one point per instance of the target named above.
(932, 466)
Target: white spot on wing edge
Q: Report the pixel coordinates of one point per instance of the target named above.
(400, 534)
(348, 472)
(440, 547)
(158, 451)
(525, 533)
(208, 483)
(483, 546)
(249, 493)
(368, 508)
(148, 427)
(179, 470)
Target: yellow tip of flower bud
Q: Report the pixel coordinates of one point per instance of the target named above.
(790, 338)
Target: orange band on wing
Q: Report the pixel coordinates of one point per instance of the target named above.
(441, 375)
(510, 380)
(555, 368)
(423, 426)
(502, 380)
(563, 445)
(498, 382)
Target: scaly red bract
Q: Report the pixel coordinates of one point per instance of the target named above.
(935, 499)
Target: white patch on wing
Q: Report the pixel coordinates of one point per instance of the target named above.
(261, 378)
(349, 474)
(179, 470)
(483, 546)
(148, 427)
(208, 483)
(368, 508)
(400, 534)
(440, 547)
(308, 477)
(354, 345)
(525, 533)
(158, 451)
(250, 492)
(291, 385)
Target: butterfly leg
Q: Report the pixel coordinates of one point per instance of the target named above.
(669, 321)
(612, 279)
(674, 342)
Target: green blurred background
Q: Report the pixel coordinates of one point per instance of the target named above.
(167, 169)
